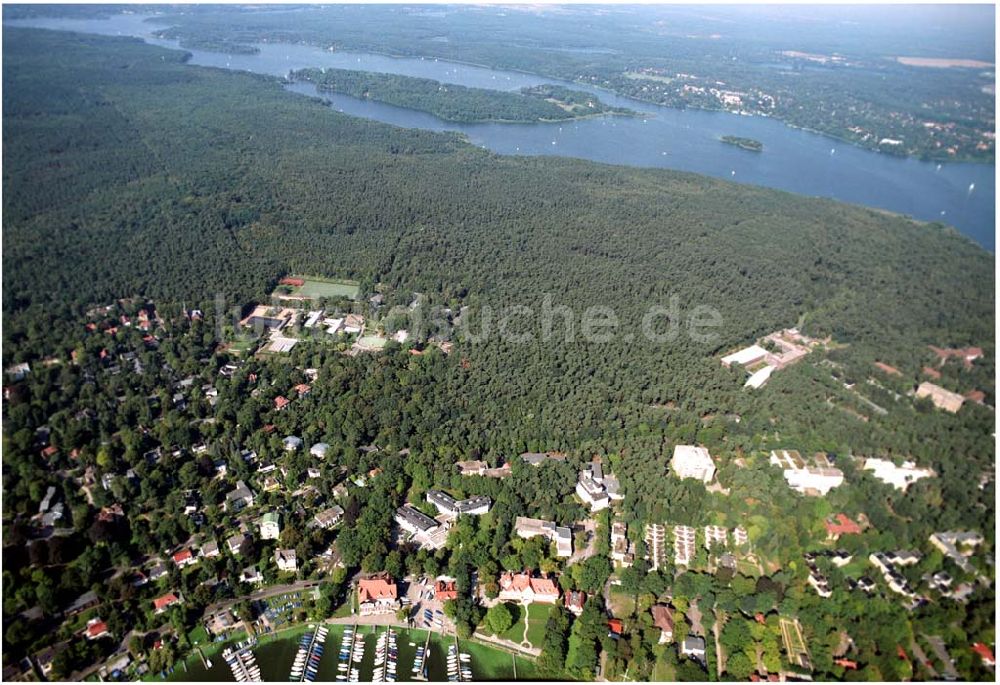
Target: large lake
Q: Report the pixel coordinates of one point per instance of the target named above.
(798, 161)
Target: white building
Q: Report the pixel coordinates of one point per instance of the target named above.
(716, 536)
(414, 521)
(693, 462)
(560, 535)
(684, 545)
(759, 377)
(446, 504)
(816, 478)
(745, 357)
(270, 526)
(285, 558)
(899, 477)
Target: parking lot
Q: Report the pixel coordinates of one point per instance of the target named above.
(425, 611)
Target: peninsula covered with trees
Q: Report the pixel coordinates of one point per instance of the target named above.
(453, 102)
(183, 449)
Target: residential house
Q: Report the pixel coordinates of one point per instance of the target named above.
(538, 458)
(185, 557)
(523, 588)
(663, 618)
(690, 461)
(319, 450)
(237, 543)
(240, 497)
(292, 443)
(251, 575)
(957, 545)
(472, 468)
(329, 517)
(621, 548)
(694, 647)
(161, 604)
(270, 526)
(597, 489)
(562, 537)
(285, 559)
(574, 601)
(377, 595)
(280, 402)
(158, 571)
(96, 629)
(985, 654)
(210, 549)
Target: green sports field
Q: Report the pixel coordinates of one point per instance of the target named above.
(326, 287)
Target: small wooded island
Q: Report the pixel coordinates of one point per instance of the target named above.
(459, 103)
(745, 143)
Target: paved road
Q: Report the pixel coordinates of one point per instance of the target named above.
(937, 644)
(589, 525)
(264, 593)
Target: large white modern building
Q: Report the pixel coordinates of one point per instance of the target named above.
(815, 477)
(899, 477)
(693, 462)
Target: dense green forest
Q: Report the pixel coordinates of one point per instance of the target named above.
(807, 73)
(452, 102)
(129, 174)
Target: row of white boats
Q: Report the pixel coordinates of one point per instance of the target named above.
(242, 663)
(352, 652)
(305, 667)
(459, 665)
(386, 657)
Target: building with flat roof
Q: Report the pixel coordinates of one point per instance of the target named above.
(813, 477)
(414, 521)
(942, 399)
(748, 356)
(448, 505)
(561, 536)
(656, 545)
(690, 461)
(684, 545)
(899, 477)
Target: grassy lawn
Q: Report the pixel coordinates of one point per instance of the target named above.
(327, 287)
(538, 616)
(622, 605)
(516, 632)
(490, 663)
(198, 636)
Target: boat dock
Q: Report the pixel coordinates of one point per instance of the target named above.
(242, 663)
(305, 667)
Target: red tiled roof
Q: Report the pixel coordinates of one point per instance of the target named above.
(933, 373)
(575, 599)
(842, 526)
(50, 451)
(95, 629)
(292, 281)
(846, 663)
(615, 625)
(984, 652)
(303, 388)
(445, 590)
(370, 589)
(977, 396)
(164, 601)
(183, 555)
(280, 402)
(888, 369)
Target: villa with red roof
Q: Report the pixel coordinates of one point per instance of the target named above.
(841, 525)
(985, 653)
(184, 558)
(161, 604)
(521, 587)
(445, 590)
(96, 629)
(280, 402)
(377, 595)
